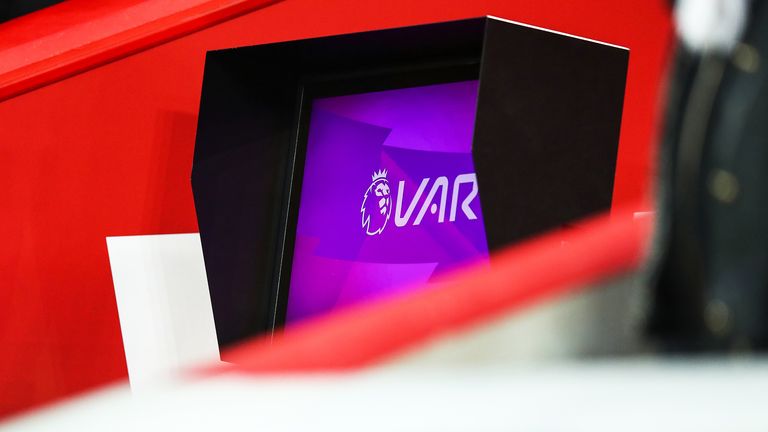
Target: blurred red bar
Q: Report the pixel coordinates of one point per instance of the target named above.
(540, 269)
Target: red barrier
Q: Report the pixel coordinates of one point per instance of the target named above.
(550, 266)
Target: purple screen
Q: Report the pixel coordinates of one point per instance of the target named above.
(389, 197)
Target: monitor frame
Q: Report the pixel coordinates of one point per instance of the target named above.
(546, 136)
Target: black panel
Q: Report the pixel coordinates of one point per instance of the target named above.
(547, 129)
(238, 172)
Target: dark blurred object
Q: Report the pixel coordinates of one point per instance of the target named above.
(711, 277)
(10, 9)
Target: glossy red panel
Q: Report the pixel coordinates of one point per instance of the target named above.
(108, 152)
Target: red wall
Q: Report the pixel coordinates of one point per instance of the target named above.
(108, 152)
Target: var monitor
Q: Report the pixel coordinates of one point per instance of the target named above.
(335, 170)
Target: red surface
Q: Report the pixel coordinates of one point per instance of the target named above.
(74, 36)
(519, 277)
(108, 152)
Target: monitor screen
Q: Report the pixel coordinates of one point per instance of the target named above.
(389, 198)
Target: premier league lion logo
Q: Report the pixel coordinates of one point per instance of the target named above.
(377, 209)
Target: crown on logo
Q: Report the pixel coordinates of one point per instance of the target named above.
(381, 174)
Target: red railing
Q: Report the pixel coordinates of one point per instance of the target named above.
(546, 267)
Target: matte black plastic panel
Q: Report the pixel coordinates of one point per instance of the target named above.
(547, 129)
